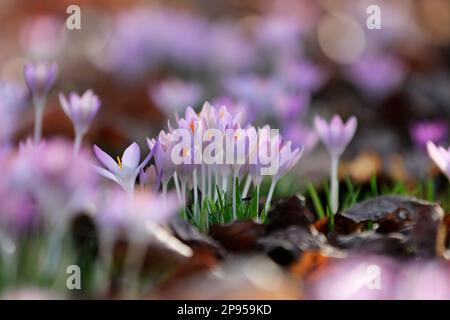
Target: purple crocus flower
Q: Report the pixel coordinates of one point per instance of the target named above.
(40, 78)
(81, 111)
(150, 177)
(424, 131)
(287, 158)
(125, 171)
(12, 102)
(61, 184)
(335, 135)
(440, 156)
(173, 95)
(301, 135)
(377, 74)
(162, 149)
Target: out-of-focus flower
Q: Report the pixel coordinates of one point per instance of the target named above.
(237, 55)
(424, 131)
(356, 278)
(59, 183)
(30, 294)
(174, 95)
(136, 217)
(424, 281)
(440, 156)
(278, 33)
(335, 136)
(43, 36)
(301, 135)
(125, 171)
(301, 74)
(377, 74)
(40, 78)
(81, 110)
(291, 106)
(12, 102)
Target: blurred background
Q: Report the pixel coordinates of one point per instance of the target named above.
(280, 61)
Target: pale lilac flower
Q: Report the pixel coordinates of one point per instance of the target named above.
(40, 78)
(162, 150)
(42, 36)
(173, 95)
(150, 177)
(424, 281)
(440, 156)
(336, 136)
(377, 74)
(301, 135)
(301, 74)
(287, 158)
(357, 278)
(291, 106)
(125, 171)
(12, 102)
(61, 184)
(81, 110)
(424, 131)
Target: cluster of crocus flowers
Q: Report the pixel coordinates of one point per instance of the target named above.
(335, 135)
(211, 152)
(40, 78)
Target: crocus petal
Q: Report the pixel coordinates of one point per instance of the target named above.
(350, 128)
(107, 174)
(107, 161)
(64, 105)
(29, 76)
(131, 156)
(440, 156)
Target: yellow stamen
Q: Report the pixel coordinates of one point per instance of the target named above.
(192, 126)
(119, 161)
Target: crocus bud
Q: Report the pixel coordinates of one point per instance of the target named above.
(40, 78)
(80, 109)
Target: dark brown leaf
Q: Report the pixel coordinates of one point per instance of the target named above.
(238, 236)
(190, 235)
(289, 212)
(285, 246)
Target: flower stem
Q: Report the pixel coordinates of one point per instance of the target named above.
(257, 203)
(334, 201)
(177, 187)
(203, 183)
(195, 193)
(39, 105)
(183, 197)
(269, 196)
(164, 189)
(234, 196)
(77, 143)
